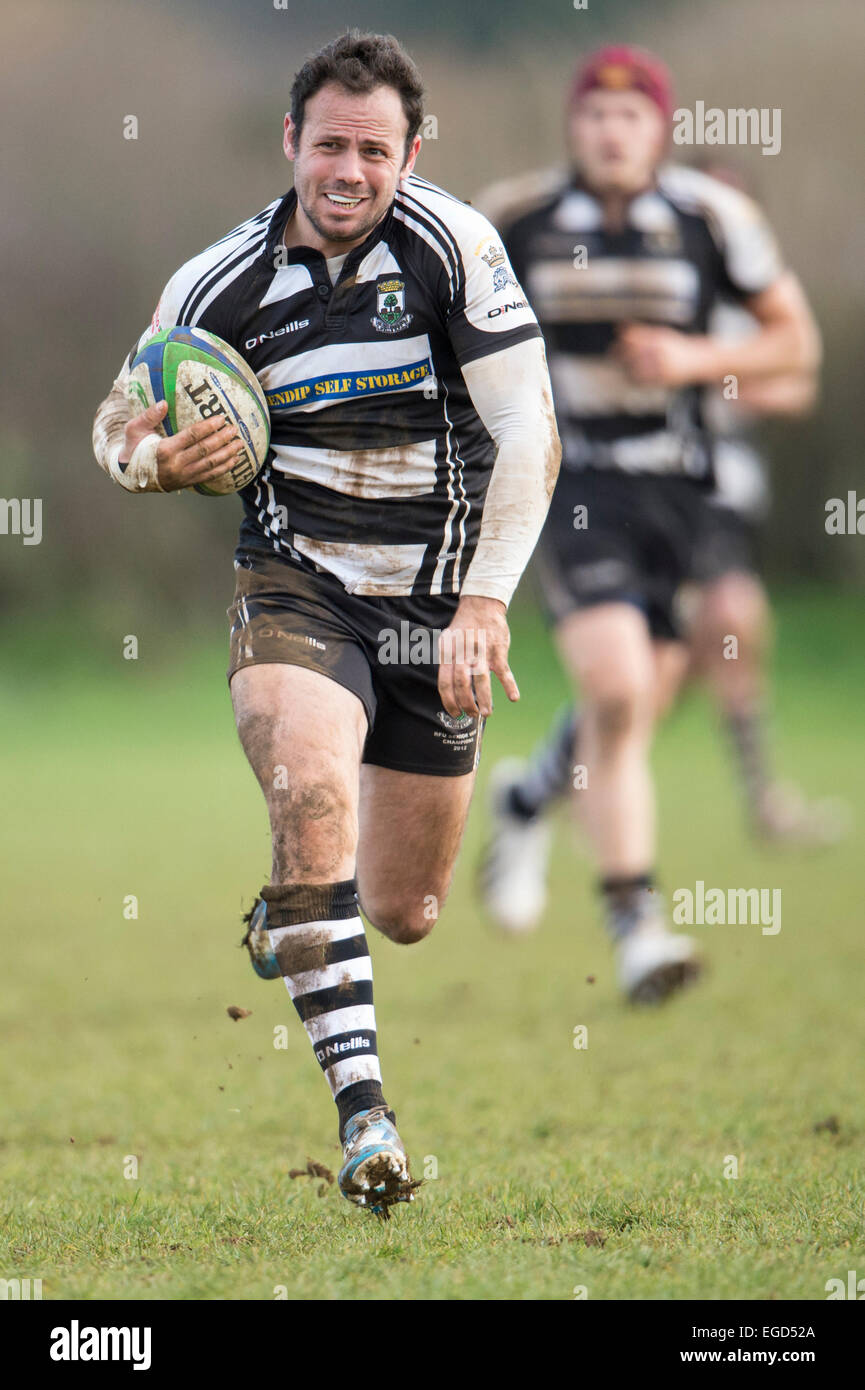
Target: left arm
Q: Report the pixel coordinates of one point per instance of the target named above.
(511, 393)
(790, 396)
(787, 343)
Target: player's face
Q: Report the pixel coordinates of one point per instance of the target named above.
(349, 160)
(617, 140)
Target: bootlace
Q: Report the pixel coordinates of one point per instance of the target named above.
(371, 1117)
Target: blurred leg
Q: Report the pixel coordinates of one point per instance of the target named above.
(609, 652)
(733, 606)
(672, 667)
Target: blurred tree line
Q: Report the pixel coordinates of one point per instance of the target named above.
(93, 224)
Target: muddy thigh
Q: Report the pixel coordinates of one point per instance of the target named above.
(411, 827)
(303, 735)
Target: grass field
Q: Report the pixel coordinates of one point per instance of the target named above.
(557, 1169)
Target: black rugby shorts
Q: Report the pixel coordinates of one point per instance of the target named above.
(382, 649)
(636, 544)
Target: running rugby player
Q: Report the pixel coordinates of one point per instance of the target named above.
(414, 452)
(724, 595)
(623, 258)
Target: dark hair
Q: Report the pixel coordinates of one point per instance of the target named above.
(360, 63)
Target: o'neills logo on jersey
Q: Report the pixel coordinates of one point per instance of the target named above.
(276, 332)
(391, 316)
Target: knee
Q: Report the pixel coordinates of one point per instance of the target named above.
(403, 919)
(622, 711)
(737, 607)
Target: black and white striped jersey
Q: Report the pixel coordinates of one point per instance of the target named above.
(740, 468)
(686, 243)
(379, 463)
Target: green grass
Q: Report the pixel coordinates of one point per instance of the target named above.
(126, 778)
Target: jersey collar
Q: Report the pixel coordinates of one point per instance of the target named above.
(292, 254)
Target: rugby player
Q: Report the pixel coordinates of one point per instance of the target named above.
(623, 258)
(413, 454)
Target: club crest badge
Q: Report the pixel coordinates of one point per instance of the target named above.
(501, 279)
(492, 253)
(663, 241)
(494, 256)
(390, 304)
(459, 724)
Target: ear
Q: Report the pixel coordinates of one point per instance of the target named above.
(412, 157)
(290, 139)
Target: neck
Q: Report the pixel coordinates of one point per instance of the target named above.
(615, 206)
(616, 201)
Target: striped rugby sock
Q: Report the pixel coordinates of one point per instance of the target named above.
(747, 729)
(319, 941)
(549, 774)
(630, 902)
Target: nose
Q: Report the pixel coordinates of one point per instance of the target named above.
(347, 168)
(614, 133)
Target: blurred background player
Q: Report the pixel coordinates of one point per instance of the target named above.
(624, 259)
(724, 596)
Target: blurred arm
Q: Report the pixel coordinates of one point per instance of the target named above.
(780, 395)
(787, 342)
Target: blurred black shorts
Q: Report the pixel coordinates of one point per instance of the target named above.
(726, 544)
(382, 649)
(634, 544)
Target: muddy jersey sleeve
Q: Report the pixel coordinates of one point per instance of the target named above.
(139, 473)
(510, 390)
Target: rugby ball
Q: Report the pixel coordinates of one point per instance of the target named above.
(200, 376)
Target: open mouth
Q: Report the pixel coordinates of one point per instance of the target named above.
(342, 201)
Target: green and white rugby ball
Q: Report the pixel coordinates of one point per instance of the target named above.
(200, 376)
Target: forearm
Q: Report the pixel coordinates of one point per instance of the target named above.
(786, 343)
(511, 393)
(780, 395)
(780, 349)
(109, 439)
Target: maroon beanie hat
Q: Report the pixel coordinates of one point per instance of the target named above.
(620, 68)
